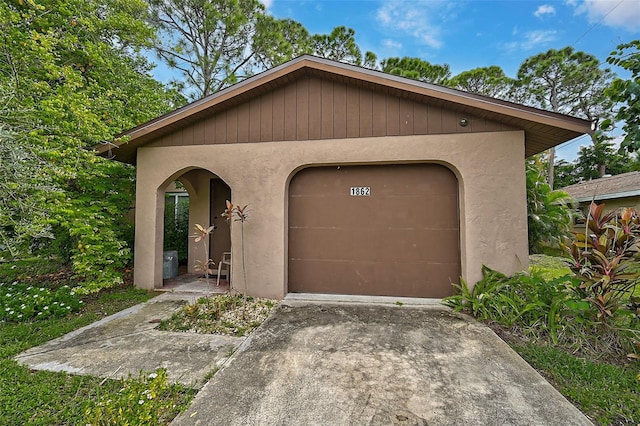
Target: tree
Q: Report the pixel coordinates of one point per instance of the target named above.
(216, 43)
(23, 217)
(212, 42)
(74, 71)
(565, 174)
(417, 69)
(568, 82)
(627, 92)
(282, 40)
(602, 159)
(548, 214)
(340, 45)
(488, 81)
(593, 162)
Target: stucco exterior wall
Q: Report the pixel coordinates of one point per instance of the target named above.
(489, 167)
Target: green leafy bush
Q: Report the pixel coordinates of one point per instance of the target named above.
(546, 310)
(146, 400)
(22, 302)
(525, 300)
(548, 214)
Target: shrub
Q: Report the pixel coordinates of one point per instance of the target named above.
(604, 259)
(546, 310)
(548, 215)
(524, 300)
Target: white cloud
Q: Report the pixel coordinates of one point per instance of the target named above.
(619, 14)
(391, 44)
(421, 19)
(545, 9)
(267, 3)
(533, 40)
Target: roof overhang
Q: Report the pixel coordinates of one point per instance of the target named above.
(543, 129)
(611, 196)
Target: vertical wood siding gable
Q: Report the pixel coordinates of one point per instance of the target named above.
(314, 108)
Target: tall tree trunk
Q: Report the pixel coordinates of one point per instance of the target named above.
(552, 158)
(602, 169)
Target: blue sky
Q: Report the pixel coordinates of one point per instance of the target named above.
(468, 34)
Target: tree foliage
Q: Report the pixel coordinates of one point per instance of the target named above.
(23, 184)
(488, 81)
(72, 69)
(417, 69)
(340, 45)
(568, 82)
(601, 158)
(212, 43)
(593, 162)
(216, 43)
(548, 213)
(627, 92)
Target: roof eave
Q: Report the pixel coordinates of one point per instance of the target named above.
(571, 124)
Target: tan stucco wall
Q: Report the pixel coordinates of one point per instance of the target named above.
(489, 167)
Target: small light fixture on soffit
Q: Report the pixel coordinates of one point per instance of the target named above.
(464, 122)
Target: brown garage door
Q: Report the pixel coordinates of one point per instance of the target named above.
(374, 230)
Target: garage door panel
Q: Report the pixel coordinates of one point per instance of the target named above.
(316, 276)
(415, 245)
(366, 212)
(372, 278)
(402, 239)
(334, 244)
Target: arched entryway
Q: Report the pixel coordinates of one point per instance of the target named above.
(206, 202)
(389, 230)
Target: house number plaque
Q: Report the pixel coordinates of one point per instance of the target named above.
(360, 191)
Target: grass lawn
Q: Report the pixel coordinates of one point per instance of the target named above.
(608, 392)
(44, 398)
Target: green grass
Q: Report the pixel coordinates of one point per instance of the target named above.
(608, 394)
(45, 398)
(17, 270)
(548, 266)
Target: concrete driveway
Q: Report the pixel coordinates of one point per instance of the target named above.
(348, 364)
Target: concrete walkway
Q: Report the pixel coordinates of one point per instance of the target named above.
(127, 343)
(366, 364)
(322, 362)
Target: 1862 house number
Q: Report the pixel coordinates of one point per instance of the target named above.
(360, 191)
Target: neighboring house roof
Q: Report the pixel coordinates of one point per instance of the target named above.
(543, 129)
(606, 188)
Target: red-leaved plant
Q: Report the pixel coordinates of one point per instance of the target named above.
(238, 214)
(603, 256)
(206, 266)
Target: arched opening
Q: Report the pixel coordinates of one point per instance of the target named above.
(190, 197)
